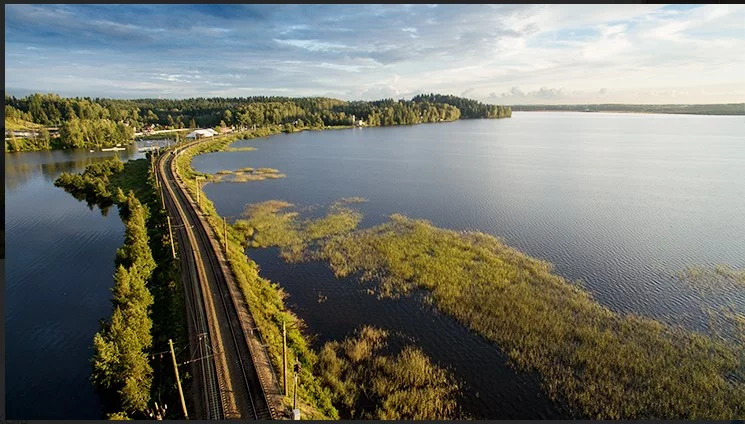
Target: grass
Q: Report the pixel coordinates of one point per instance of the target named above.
(602, 364)
(350, 200)
(245, 175)
(18, 124)
(239, 149)
(605, 365)
(267, 224)
(370, 385)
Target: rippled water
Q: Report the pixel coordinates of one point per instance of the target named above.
(58, 275)
(619, 201)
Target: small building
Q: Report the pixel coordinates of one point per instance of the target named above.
(209, 132)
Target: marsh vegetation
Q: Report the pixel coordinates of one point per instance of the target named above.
(368, 384)
(601, 363)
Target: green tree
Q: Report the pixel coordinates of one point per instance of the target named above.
(44, 138)
(71, 134)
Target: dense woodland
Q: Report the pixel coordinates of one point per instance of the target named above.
(148, 306)
(469, 109)
(95, 122)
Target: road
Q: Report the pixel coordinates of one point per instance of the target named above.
(225, 382)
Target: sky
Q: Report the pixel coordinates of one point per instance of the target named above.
(501, 54)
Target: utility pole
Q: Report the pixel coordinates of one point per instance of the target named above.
(295, 411)
(284, 357)
(196, 181)
(158, 412)
(225, 231)
(170, 235)
(178, 380)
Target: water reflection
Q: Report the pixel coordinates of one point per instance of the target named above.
(58, 274)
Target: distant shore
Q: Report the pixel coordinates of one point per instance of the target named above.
(681, 109)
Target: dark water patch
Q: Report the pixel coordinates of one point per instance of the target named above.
(58, 275)
(335, 307)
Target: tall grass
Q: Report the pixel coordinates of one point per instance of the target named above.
(605, 365)
(369, 385)
(267, 224)
(601, 363)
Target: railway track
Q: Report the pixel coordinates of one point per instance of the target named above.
(226, 379)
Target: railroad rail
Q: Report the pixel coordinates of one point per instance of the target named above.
(226, 382)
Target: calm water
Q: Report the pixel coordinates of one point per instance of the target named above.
(58, 274)
(619, 201)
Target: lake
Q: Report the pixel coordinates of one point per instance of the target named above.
(621, 202)
(58, 274)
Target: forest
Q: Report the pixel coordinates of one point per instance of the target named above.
(148, 304)
(96, 122)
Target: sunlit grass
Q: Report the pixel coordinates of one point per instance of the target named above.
(604, 364)
(239, 149)
(369, 385)
(244, 175)
(266, 224)
(601, 363)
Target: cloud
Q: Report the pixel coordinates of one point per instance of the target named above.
(546, 53)
(517, 95)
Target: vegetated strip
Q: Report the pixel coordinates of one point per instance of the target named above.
(603, 364)
(264, 299)
(606, 365)
(148, 302)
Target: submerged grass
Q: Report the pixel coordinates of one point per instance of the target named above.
(603, 364)
(245, 175)
(723, 284)
(369, 385)
(267, 224)
(719, 277)
(239, 149)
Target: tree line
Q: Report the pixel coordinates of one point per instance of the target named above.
(147, 302)
(96, 122)
(469, 108)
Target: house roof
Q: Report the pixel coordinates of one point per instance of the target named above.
(202, 132)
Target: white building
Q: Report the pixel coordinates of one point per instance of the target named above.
(209, 132)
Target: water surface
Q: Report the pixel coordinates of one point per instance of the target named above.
(58, 274)
(621, 202)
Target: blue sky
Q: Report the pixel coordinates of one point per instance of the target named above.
(496, 53)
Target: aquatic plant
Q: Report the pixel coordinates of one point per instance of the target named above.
(603, 364)
(369, 385)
